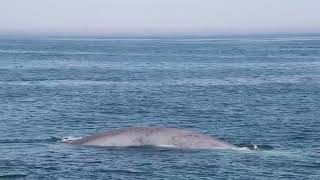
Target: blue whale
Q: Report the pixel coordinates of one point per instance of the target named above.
(154, 136)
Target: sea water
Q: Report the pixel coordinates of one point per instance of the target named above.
(258, 91)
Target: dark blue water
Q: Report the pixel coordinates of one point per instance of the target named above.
(244, 90)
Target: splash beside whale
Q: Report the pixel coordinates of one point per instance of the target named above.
(154, 136)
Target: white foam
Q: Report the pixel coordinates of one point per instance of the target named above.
(242, 149)
(69, 139)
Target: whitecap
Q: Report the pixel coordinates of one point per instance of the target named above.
(68, 139)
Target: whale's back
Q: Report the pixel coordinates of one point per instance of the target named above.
(154, 136)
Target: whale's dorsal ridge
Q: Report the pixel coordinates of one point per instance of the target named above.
(154, 136)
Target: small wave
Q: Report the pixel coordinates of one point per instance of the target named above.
(52, 139)
(254, 147)
(12, 176)
(242, 148)
(68, 139)
(46, 140)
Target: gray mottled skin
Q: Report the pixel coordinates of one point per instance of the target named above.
(154, 136)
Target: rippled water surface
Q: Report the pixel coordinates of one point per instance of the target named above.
(248, 91)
